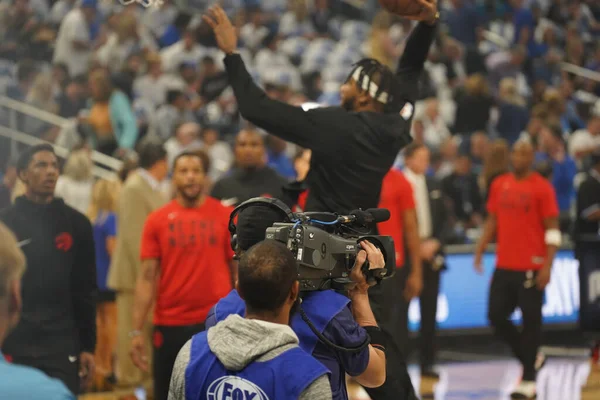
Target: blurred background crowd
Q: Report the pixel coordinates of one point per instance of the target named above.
(121, 75)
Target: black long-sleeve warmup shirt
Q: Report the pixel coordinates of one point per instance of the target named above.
(352, 151)
(59, 284)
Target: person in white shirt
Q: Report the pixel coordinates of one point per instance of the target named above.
(254, 32)
(184, 51)
(186, 138)
(584, 142)
(154, 85)
(73, 44)
(59, 10)
(435, 129)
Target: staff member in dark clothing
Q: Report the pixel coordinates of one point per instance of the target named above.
(355, 145)
(251, 177)
(57, 331)
(587, 247)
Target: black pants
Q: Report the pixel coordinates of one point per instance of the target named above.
(65, 368)
(167, 341)
(428, 303)
(391, 313)
(509, 290)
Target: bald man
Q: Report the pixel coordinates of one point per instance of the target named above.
(523, 215)
(250, 177)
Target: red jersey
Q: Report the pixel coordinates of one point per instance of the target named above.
(521, 206)
(396, 196)
(194, 250)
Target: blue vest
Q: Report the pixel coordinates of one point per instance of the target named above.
(284, 377)
(320, 308)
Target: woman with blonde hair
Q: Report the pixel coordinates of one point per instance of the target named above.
(41, 95)
(496, 163)
(380, 44)
(75, 184)
(473, 106)
(104, 221)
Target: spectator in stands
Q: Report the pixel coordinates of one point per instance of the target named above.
(18, 21)
(185, 51)
(254, 31)
(153, 86)
(19, 382)
(250, 177)
(75, 184)
(464, 23)
(453, 60)
(302, 163)
(168, 116)
(462, 189)
(571, 114)
(380, 44)
(278, 159)
(436, 130)
(213, 81)
(41, 96)
(9, 180)
(513, 115)
(140, 196)
(479, 144)
(296, 22)
(506, 64)
(102, 213)
(74, 98)
(219, 152)
(473, 106)
(59, 11)
(586, 141)
(537, 120)
(495, 164)
(321, 16)
(553, 150)
(186, 139)
(111, 116)
(447, 154)
(74, 43)
(26, 73)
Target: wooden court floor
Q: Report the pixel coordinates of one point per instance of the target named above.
(560, 379)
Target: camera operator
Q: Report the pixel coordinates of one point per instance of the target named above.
(257, 356)
(344, 322)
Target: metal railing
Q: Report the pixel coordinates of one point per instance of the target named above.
(19, 107)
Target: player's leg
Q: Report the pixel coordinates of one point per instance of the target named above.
(530, 303)
(503, 299)
(428, 302)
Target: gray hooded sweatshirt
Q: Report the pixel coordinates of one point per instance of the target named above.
(238, 342)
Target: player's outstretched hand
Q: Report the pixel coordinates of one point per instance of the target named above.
(225, 32)
(429, 11)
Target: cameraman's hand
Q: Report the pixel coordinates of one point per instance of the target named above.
(376, 260)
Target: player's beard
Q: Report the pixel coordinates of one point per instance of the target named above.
(191, 198)
(348, 104)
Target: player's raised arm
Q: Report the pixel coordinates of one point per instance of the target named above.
(290, 123)
(417, 46)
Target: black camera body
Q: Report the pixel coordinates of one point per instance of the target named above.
(326, 250)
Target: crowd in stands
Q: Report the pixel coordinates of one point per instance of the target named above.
(126, 75)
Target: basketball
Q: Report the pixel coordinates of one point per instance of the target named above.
(401, 7)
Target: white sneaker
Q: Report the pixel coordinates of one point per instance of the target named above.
(524, 390)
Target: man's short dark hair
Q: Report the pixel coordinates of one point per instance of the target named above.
(173, 95)
(26, 157)
(199, 154)
(252, 223)
(150, 154)
(266, 274)
(412, 148)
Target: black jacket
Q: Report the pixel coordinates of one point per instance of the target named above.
(59, 284)
(351, 151)
(242, 185)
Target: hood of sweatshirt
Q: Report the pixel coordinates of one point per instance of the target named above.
(237, 341)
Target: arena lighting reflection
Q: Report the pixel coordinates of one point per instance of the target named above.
(463, 298)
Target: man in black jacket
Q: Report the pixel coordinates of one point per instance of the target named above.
(353, 146)
(57, 331)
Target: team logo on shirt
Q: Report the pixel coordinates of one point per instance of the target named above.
(235, 388)
(64, 241)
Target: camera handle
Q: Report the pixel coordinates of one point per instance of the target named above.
(327, 342)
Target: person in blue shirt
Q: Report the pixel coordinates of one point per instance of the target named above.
(343, 321)
(563, 167)
(257, 356)
(104, 226)
(19, 382)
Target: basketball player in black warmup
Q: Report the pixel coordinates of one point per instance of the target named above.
(353, 146)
